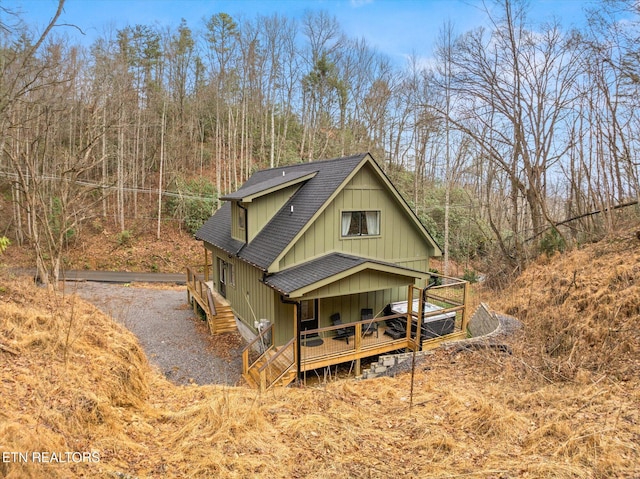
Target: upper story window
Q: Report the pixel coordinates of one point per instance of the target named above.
(242, 217)
(360, 223)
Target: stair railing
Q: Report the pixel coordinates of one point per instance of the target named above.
(271, 363)
(212, 303)
(245, 352)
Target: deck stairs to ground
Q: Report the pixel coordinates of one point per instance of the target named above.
(274, 368)
(221, 318)
(218, 312)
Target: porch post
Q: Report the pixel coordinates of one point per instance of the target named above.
(357, 344)
(465, 307)
(206, 264)
(296, 342)
(409, 314)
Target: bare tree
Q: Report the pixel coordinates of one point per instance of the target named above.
(516, 89)
(50, 128)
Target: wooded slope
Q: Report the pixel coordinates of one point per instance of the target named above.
(564, 405)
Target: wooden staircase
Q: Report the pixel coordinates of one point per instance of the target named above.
(218, 312)
(274, 368)
(221, 319)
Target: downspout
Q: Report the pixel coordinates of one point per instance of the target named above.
(424, 300)
(296, 305)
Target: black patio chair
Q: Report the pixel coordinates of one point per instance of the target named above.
(368, 328)
(341, 333)
(396, 327)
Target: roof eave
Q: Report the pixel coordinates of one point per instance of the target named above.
(249, 198)
(367, 265)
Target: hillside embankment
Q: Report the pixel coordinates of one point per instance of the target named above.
(79, 399)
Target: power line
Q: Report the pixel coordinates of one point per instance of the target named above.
(102, 186)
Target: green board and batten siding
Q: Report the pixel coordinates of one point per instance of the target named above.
(399, 241)
(259, 212)
(265, 207)
(262, 301)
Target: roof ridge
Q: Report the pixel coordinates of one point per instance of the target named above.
(315, 162)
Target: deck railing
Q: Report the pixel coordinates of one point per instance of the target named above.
(452, 295)
(197, 287)
(330, 345)
(278, 365)
(264, 340)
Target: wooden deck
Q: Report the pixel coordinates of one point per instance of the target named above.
(218, 312)
(335, 351)
(266, 365)
(423, 306)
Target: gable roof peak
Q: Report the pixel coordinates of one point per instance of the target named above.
(320, 180)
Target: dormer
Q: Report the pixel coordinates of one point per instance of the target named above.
(239, 229)
(256, 202)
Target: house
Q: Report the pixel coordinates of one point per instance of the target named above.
(300, 251)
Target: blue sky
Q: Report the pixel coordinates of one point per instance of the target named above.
(398, 28)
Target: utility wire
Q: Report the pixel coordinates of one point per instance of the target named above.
(175, 194)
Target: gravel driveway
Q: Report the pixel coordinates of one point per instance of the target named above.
(175, 341)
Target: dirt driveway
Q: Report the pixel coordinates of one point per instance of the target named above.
(174, 340)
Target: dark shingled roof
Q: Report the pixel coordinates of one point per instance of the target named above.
(284, 226)
(217, 231)
(320, 269)
(253, 188)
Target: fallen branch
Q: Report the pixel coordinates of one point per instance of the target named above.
(9, 350)
(583, 215)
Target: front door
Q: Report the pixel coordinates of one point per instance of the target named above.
(309, 314)
(223, 273)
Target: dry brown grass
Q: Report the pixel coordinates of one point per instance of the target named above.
(551, 410)
(580, 310)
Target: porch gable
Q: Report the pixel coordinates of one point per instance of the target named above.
(338, 274)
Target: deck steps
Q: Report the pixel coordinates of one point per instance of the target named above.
(224, 320)
(280, 371)
(219, 315)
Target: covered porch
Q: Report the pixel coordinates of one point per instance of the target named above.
(432, 313)
(335, 309)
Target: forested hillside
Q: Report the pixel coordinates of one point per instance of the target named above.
(503, 135)
(563, 405)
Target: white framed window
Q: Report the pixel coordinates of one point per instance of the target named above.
(360, 223)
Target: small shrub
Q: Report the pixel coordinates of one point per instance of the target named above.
(4, 243)
(195, 203)
(470, 275)
(551, 242)
(124, 238)
(437, 279)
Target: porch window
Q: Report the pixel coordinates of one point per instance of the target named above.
(360, 223)
(226, 272)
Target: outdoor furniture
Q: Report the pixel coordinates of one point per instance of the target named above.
(396, 327)
(341, 333)
(368, 328)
